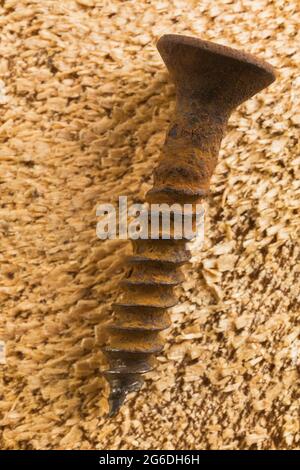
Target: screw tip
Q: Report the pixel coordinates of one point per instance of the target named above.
(115, 403)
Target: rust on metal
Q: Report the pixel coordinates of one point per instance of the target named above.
(211, 81)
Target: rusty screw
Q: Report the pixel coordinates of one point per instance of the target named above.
(211, 81)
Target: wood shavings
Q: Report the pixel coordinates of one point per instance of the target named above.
(85, 101)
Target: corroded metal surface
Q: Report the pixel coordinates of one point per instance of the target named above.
(211, 81)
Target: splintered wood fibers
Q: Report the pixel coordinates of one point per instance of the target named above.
(85, 103)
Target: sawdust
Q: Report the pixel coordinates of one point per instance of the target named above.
(85, 101)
